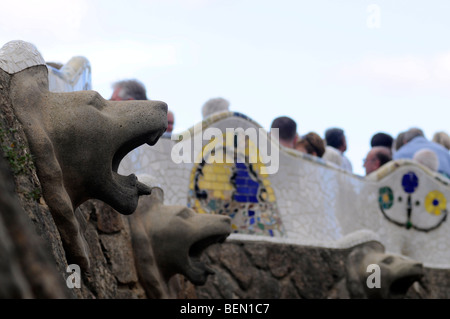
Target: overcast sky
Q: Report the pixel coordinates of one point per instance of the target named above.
(364, 66)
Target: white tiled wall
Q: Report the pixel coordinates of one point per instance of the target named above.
(319, 204)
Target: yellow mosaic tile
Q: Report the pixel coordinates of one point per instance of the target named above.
(219, 186)
(204, 184)
(210, 177)
(266, 182)
(198, 207)
(207, 169)
(228, 187)
(223, 178)
(220, 169)
(219, 195)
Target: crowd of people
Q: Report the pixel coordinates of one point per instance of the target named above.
(410, 144)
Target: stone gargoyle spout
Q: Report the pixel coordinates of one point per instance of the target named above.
(170, 239)
(397, 273)
(77, 140)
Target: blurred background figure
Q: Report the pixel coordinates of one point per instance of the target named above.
(215, 105)
(287, 131)
(312, 144)
(377, 157)
(128, 90)
(170, 124)
(442, 138)
(170, 121)
(382, 139)
(427, 158)
(414, 140)
(335, 137)
(399, 141)
(333, 156)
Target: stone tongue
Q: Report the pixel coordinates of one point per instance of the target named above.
(143, 189)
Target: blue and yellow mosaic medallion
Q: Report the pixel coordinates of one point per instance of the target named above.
(236, 187)
(434, 203)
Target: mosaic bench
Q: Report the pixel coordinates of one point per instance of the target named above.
(307, 201)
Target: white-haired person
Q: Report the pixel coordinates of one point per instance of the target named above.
(215, 105)
(414, 140)
(427, 158)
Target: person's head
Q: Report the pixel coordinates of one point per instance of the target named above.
(215, 105)
(399, 141)
(411, 134)
(128, 90)
(427, 158)
(377, 157)
(335, 137)
(382, 139)
(442, 138)
(311, 143)
(170, 121)
(287, 130)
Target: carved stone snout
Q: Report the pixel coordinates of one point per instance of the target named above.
(77, 140)
(373, 273)
(173, 238)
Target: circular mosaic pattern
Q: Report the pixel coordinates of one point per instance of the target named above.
(386, 197)
(410, 181)
(435, 202)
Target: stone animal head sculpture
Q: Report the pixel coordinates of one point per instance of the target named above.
(397, 273)
(77, 140)
(169, 240)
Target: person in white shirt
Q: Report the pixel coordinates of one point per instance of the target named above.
(335, 137)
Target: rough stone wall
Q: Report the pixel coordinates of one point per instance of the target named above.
(32, 256)
(247, 270)
(113, 273)
(26, 266)
(33, 247)
(33, 262)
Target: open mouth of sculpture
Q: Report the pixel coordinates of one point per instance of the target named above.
(199, 269)
(400, 286)
(127, 189)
